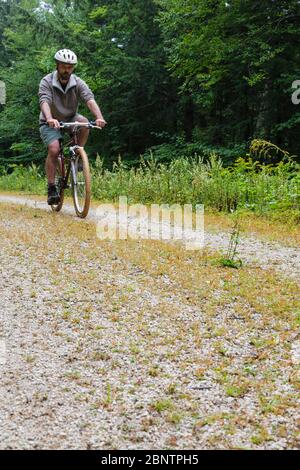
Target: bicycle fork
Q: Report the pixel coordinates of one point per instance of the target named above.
(73, 159)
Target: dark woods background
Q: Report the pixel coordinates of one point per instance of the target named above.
(178, 77)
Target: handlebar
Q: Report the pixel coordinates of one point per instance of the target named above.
(89, 125)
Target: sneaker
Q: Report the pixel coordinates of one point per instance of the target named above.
(53, 196)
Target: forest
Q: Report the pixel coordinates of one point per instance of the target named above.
(173, 77)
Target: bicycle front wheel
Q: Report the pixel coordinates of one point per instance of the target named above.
(59, 175)
(81, 183)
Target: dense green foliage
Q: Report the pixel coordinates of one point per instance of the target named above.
(236, 59)
(180, 77)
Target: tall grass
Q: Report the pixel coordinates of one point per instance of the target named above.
(20, 178)
(265, 189)
(262, 188)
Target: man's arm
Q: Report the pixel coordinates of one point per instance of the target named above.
(45, 98)
(87, 96)
(94, 108)
(46, 110)
(48, 116)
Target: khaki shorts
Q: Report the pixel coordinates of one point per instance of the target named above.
(49, 134)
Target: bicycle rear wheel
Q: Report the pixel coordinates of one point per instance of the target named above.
(81, 183)
(59, 184)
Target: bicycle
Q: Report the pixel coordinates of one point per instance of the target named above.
(77, 170)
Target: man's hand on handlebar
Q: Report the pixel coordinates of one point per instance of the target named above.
(100, 123)
(53, 123)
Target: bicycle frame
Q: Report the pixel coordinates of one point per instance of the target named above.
(72, 144)
(77, 169)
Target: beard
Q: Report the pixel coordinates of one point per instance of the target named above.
(64, 77)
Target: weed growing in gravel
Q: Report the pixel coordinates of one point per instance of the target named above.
(154, 371)
(73, 375)
(108, 398)
(200, 374)
(30, 359)
(236, 391)
(231, 260)
(100, 356)
(261, 436)
(172, 388)
(174, 418)
(163, 405)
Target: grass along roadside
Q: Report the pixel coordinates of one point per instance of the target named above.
(250, 224)
(265, 198)
(209, 349)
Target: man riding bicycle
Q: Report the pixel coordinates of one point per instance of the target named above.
(59, 95)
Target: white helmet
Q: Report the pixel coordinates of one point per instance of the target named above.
(66, 56)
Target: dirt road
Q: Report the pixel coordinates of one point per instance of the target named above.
(142, 345)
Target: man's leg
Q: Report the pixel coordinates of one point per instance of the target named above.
(84, 132)
(51, 161)
(53, 152)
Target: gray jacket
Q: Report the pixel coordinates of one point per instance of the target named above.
(63, 103)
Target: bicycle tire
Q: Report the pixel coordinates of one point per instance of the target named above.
(81, 187)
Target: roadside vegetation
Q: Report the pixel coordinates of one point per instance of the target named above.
(248, 186)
